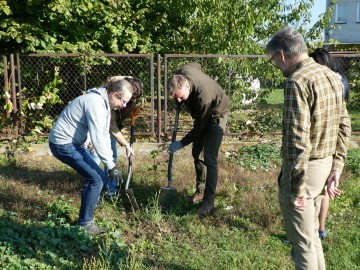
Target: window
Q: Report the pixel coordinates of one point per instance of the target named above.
(340, 13)
(358, 12)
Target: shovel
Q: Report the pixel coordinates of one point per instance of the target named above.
(127, 195)
(168, 193)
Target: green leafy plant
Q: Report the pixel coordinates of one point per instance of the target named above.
(259, 156)
(36, 106)
(154, 154)
(62, 209)
(259, 121)
(353, 160)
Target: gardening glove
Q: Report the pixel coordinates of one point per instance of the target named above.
(114, 173)
(175, 146)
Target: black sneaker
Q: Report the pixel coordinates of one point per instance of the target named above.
(93, 229)
(206, 208)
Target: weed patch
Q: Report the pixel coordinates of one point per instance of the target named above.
(259, 156)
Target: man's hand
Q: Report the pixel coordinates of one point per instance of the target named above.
(175, 146)
(299, 202)
(114, 173)
(129, 151)
(332, 184)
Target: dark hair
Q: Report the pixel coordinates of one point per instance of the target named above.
(137, 86)
(323, 57)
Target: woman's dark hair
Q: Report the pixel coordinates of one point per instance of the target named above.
(137, 85)
(323, 57)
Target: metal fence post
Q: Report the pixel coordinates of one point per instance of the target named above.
(158, 68)
(13, 95)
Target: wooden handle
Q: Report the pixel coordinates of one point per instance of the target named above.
(135, 113)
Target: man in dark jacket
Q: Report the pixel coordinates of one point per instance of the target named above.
(208, 106)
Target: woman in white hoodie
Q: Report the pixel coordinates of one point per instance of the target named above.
(89, 114)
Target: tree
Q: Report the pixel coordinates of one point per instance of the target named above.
(73, 26)
(141, 26)
(147, 26)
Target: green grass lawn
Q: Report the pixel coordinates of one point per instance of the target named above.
(40, 197)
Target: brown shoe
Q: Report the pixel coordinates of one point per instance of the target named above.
(196, 198)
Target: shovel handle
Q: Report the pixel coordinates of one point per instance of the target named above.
(173, 139)
(135, 113)
(132, 137)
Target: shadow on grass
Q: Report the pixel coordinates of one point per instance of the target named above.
(59, 181)
(146, 186)
(30, 208)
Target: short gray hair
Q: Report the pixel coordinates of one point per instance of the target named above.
(288, 40)
(120, 87)
(176, 82)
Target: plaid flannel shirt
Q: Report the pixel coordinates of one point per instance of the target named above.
(315, 120)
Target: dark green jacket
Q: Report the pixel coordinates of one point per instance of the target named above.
(207, 100)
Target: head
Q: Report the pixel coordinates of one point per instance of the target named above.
(136, 83)
(120, 93)
(179, 88)
(286, 49)
(323, 57)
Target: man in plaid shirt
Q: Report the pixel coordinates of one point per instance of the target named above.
(316, 131)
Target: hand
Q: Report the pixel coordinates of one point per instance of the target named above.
(299, 202)
(91, 147)
(129, 151)
(332, 184)
(114, 173)
(175, 146)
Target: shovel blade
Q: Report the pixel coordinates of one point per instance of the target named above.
(129, 200)
(166, 196)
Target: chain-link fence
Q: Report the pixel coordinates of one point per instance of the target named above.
(255, 90)
(36, 88)
(42, 85)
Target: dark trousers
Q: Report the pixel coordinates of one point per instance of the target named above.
(205, 153)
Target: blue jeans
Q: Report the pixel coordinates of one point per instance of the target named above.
(79, 158)
(109, 183)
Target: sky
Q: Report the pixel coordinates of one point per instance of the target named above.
(317, 9)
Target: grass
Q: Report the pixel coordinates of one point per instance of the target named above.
(40, 198)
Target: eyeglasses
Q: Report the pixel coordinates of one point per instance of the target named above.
(124, 102)
(272, 60)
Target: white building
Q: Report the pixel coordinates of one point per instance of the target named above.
(346, 18)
